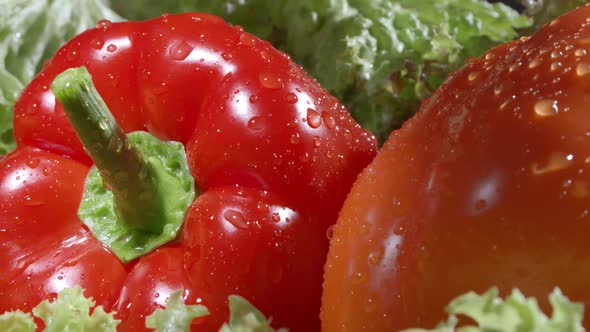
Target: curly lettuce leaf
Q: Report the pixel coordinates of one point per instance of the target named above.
(515, 314)
(71, 312)
(380, 57)
(17, 321)
(176, 317)
(30, 33)
(244, 317)
(74, 312)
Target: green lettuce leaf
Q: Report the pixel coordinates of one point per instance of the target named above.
(71, 312)
(244, 317)
(17, 321)
(515, 314)
(31, 32)
(176, 317)
(380, 57)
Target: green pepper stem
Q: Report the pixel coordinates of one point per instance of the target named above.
(122, 168)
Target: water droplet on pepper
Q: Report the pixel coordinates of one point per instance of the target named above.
(314, 119)
(104, 24)
(270, 80)
(180, 50)
(291, 98)
(235, 218)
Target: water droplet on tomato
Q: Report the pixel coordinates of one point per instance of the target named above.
(580, 52)
(291, 98)
(180, 50)
(112, 48)
(535, 62)
(358, 277)
(314, 120)
(371, 305)
(583, 68)
(236, 218)
(270, 80)
(157, 295)
(295, 138)
(375, 257)
(546, 107)
(255, 123)
(330, 232)
(555, 162)
(555, 65)
(253, 99)
(104, 24)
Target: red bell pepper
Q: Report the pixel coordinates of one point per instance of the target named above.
(272, 153)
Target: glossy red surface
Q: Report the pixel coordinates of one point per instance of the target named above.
(250, 119)
(489, 185)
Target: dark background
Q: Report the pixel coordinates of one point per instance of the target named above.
(516, 4)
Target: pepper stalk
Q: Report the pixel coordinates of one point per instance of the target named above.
(139, 189)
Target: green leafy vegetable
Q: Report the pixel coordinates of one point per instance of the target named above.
(17, 321)
(30, 33)
(176, 317)
(379, 57)
(244, 317)
(71, 312)
(515, 314)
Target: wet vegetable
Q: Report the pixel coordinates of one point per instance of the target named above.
(271, 152)
(486, 186)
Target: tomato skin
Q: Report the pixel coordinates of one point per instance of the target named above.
(178, 77)
(486, 186)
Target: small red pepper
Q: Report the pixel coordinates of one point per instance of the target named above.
(272, 153)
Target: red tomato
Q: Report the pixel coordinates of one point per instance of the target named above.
(489, 185)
